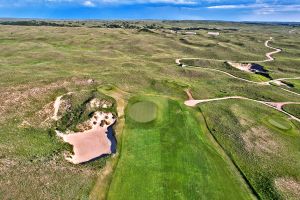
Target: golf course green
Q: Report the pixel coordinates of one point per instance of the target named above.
(144, 111)
(280, 123)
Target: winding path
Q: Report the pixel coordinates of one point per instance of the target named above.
(269, 59)
(276, 105)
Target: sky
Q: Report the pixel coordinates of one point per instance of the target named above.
(228, 10)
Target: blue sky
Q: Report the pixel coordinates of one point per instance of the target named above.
(239, 10)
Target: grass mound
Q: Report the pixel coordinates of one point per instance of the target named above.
(144, 111)
(293, 109)
(280, 123)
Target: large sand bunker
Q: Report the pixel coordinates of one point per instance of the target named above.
(92, 143)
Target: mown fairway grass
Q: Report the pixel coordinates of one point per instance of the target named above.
(170, 158)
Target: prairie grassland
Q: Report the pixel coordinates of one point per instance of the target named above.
(37, 64)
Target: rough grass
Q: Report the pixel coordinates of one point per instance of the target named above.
(262, 151)
(293, 109)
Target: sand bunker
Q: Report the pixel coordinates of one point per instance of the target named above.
(250, 68)
(92, 143)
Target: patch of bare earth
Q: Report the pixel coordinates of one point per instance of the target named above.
(260, 141)
(289, 188)
(19, 98)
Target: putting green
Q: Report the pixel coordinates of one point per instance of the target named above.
(144, 111)
(280, 123)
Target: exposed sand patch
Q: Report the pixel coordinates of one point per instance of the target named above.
(189, 94)
(92, 143)
(213, 33)
(278, 83)
(289, 187)
(260, 140)
(250, 68)
(56, 106)
(97, 103)
(241, 66)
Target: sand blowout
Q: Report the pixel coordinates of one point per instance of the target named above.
(92, 143)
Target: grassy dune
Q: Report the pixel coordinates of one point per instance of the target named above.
(293, 109)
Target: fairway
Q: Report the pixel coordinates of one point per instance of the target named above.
(144, 111)
(172, 160)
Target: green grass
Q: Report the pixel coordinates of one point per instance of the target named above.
(293, 109)
(263, 143)
(40, 63)
(143, 111)
(280, 123)
(172, 159)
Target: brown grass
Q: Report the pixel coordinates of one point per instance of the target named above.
(290, 188)
(260, 141)
(20, 97)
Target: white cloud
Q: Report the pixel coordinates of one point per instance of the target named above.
(184, 2)
(236, 6)
(261, 8)
(89, 3)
